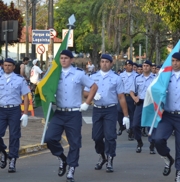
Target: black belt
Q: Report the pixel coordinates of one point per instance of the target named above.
(173, 112)
(9, 106)
(127, 95)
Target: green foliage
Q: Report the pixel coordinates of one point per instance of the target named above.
(168, 10)
(11, 13)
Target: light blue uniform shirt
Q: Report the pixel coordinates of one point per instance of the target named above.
(1, 71)
(11, 92)
(109, 87)
(128, 81)
(141, 84)
(70, 86)
(173, 94)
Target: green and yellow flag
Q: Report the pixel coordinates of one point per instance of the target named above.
(47, 87)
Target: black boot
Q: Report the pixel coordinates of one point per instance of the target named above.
(152, 148)
(70, 174)
(62, 165)
(12, 165)
(109, 165)
(143, 132)
(139, 146)
(169, 161)
(121, 129)
(130, 135)
(3, 159)
(101, 162)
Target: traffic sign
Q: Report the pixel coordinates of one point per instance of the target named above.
(53, 33)
(71, 37)
(40, 36)
(40, 49)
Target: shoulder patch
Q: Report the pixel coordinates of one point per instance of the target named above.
(79, 69)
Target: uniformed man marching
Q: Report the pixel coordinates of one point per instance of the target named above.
(138, 91)
(12, 87)
(110, 90)
(170, 121)
(68, 115)
(128, 78)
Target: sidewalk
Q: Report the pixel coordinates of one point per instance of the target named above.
(31, 135)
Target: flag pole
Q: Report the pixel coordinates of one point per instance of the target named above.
(154, 119)
(47, 119)
(70, 25)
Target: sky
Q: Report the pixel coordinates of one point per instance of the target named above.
(7, 1)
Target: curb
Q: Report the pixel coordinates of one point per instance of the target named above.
(32, 148)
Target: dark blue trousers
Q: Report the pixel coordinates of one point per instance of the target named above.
(71, 123)
(137, 122)
(104, 130)
(164, 130)
(10, 117)
(131, 107)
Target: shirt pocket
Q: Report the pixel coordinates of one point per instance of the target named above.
(15, 89)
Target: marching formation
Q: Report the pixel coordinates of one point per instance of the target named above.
(118, 100)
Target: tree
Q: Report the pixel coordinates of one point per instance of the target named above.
(11, 13)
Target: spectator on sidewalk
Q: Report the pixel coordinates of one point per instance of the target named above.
(36, 74)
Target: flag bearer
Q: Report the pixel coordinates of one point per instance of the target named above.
(170, 121)
(12, 87)
(67, 116)
(141, 84)
(110, 90)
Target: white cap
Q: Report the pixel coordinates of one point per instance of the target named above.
(35, 61)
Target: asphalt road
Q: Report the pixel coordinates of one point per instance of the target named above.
(128, 165)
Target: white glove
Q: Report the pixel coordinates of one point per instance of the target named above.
(83, 107)
(97, 96)
(126, 122)
(24, 119)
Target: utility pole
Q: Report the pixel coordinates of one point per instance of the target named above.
(18, 42)
(51, 25)
(27, 29)
(33, 46)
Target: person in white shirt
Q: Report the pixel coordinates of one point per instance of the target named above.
(90, 68)
(36, 72)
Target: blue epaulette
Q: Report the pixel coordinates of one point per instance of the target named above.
(19, 75)
(79, 69)
(116, 73)
(93, 73)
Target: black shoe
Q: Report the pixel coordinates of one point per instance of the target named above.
(121, 129)
(109, 164)
(3, 161)
(62, 167)
(143, 132)
(70, 174)
(169, 161)
(100, 163)
(139, 146)
(177, 179)
(12, 165)
(152, 148)
(130, 136)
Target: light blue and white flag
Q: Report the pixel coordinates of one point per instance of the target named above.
(156, 93)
